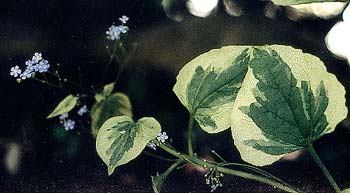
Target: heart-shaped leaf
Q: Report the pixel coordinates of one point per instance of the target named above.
(208, 85)
(66, 105)
(114, 105)
(121, 140)
(288, 100)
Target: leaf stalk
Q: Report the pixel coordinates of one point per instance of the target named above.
(319, 162)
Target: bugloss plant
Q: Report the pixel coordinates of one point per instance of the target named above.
(107, 103)
(275, 100)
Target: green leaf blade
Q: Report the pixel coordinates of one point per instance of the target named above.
(287, 101)
(208, 85)
(116, 104)
(108, 89)
(66, 105)
(121, 140)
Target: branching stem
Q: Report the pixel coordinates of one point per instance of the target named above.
(204, 164)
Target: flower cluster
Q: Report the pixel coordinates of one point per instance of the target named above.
(36, 64)
(213, 179)
(162, 137)
(82, 110)
(114, 32)
(68, 124)
(152, 145)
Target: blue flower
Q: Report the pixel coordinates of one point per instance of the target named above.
(152, 145)
(69, 125)
(26, 74)
(42, 66)
(124, 19)
(113, 33)
(63, 116)
(123, 29)
(37, 57)
(82, 110)
(15, 71)
(36, 64)
(162, 137)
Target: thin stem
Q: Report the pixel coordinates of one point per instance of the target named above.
(119, 73)
(106, 69)
(159, 157)
(189, 135)
(172, 167)
(259, 171)
(217, 155)
(198, 162)
(50, 84)
(66, 80)
(323, 168)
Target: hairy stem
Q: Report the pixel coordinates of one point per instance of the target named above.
(202, 163)
(323, 168)
(189, 135)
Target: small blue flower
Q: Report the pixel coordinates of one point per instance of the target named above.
(69, 124)
(123, 29)
(63, 116)
(37, 57)
(15, 71)
(213, 187)
(162, 137)
(113, 33)
(26, 74)
(42, 66)
(152, 145)
(82, 110)
(124, 19)
(36, 64)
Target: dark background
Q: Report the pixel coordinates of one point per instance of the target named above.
(72, 33)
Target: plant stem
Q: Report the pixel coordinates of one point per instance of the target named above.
(201, 163)
(189, 134)
(172, 167)
(159, 157)
(323, 168)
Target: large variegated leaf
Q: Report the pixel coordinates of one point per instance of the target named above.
(121, 140)
(296, 2)
(346, 191)
(113, 105)
(66, 105)
(287, 101)
(208, 85)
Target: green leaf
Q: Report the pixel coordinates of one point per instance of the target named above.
(296, 2)
(114, 105)
(99, 97)
(208, 85)
(107, 89)
(346, 191)
(121, 140)
(66, 105)
(288, 100)
(157, 182)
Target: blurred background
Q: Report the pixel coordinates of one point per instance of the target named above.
(38, 155)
